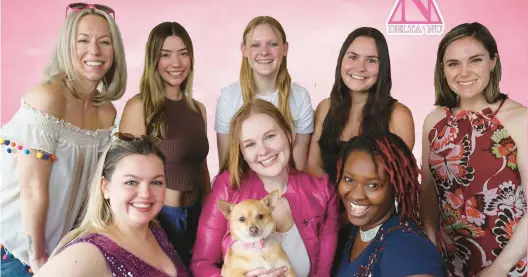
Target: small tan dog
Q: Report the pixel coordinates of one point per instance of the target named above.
(255, 244)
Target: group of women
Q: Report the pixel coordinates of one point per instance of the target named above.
(79, 201)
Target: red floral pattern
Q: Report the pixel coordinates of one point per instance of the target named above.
(473, 162)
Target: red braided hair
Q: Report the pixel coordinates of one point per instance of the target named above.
(399, 163)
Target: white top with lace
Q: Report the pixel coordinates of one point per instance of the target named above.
(76, 151)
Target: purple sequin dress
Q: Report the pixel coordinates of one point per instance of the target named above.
(124, 264)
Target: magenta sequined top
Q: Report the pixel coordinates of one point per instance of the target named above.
(124, 264)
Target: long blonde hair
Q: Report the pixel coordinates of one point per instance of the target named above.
(235, 163)
(97, 215)
(151, 86)
(283, 82)
(60, 66)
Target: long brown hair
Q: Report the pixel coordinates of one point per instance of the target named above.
(447, 97)
(283, 81)
(376, 114)
(151, 86)
(235, 163)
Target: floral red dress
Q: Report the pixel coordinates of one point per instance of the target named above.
(473, 163)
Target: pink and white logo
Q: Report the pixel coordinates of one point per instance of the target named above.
(415, 17)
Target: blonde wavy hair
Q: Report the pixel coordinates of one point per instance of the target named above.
(283, 81)
(152, 89)
(61, 66)
(97, 215)
(235, 163)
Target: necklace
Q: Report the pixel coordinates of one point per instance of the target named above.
(370, 234)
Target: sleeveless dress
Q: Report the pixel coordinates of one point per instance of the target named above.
(473, 163)
(124, 264)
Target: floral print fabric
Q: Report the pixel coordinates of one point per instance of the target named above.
(473, 163)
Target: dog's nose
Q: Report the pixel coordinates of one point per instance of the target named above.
(253, 230)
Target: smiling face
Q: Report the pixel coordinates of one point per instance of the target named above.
(360, 65)
(94, 52)
(174, 63)
(136, 189)
(265, 50)
(365, 190)
(467, 66)
(264, 145)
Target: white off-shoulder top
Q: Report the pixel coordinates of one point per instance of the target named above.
(73, 153)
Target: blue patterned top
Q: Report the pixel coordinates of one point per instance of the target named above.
(398, 250)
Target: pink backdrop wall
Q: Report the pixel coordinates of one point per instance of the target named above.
(315, 30)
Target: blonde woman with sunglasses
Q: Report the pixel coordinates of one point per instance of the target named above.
(50, 146)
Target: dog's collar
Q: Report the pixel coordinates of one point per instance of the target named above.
(248, 245)
(258, 244)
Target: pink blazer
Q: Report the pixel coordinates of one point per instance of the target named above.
(314, 205)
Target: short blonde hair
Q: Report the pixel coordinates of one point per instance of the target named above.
(234, 162)
(113, 84)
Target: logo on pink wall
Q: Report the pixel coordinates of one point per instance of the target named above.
(415, 17)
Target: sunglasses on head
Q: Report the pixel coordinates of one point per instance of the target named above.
(77, 7)
(129, 137)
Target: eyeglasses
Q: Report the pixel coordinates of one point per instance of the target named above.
(129, 137)
(77, 7)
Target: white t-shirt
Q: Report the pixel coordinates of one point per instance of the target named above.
(230, 100)
(295, 249)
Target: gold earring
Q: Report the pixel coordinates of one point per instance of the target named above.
(493, 69)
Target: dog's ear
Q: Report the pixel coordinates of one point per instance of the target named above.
(225, 207)
(271, 199)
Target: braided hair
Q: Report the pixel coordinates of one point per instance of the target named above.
(399, 163)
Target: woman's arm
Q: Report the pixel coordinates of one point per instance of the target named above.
(304, 126)
(225, 111)
(133, 119)
(222, 143)
(77, 260)
(300, 150)
(515, 250)
(329, 230)
(429, 212)
(212, 227)
(402, 124)
(33, 176)
(315, 163)
(206, 188)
